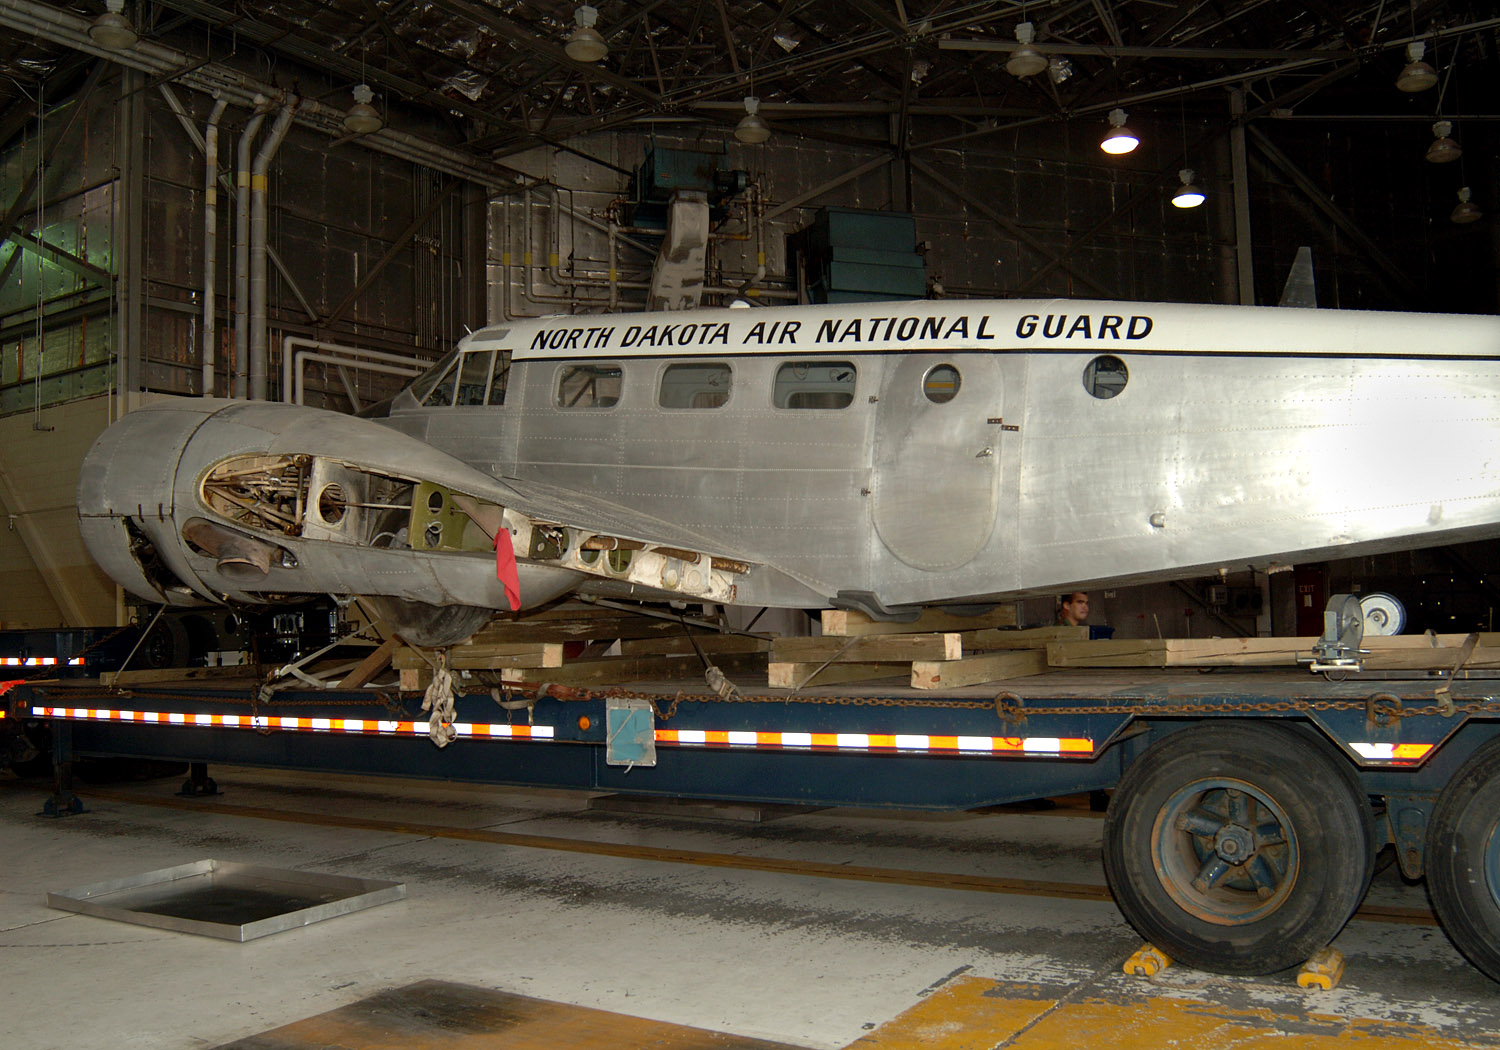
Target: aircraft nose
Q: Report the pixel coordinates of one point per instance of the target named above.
(126, 500)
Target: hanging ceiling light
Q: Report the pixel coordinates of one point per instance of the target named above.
(1188, 195)
(1025, 61)
(363, 118)
(112, 29)
(1418, 75)
(1467, 210)
(585, 44)
(1443, 148)
(1119, 139)
(752, 130)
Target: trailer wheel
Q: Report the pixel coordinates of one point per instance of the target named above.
(1236, 848)
(1463, 858)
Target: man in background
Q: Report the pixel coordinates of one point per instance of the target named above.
(1074, 610)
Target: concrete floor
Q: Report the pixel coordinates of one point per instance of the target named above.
(812, 961)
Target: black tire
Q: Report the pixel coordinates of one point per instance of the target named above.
(1463, 859)
(1346, 769)
(432, 626)
(1205, 796)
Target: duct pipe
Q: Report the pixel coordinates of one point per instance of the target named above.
(242, 246)
(258, 194)
(354, 355)
(210, 240)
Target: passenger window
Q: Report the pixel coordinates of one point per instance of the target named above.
(474, 377)
(694, 386)
(814, 384)
(502, 374)
(442, 391)
(588, 386)
(941, 384)
(1104, 377)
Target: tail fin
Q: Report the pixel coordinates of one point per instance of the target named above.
(1300, 288)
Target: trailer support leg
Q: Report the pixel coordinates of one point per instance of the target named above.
(63, 802)
(198, 783)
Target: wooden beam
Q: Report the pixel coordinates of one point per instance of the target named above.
(781, 675)
(848, 622)
(974, 670)
(378, 660)
(879, 648)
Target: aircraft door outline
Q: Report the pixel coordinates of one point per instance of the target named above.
(936, 475)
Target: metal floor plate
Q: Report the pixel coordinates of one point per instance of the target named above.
(232, 901)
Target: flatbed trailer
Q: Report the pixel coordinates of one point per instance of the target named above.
(1246, 813)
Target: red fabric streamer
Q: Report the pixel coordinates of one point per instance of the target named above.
(505, 567)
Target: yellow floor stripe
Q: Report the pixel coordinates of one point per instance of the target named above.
(972, 1013)
(964, 1014)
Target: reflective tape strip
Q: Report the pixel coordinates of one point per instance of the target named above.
(370, 726)
(1391, 752)
(32, 661)
(868, 743)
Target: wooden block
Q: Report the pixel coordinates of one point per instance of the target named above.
(415, 679)
(473, 655)
(612, 669)
(782, 675)
(151, 676)
(681, 646)
(847, 622)
(972, 670)
(1032, 638)
(880, 648)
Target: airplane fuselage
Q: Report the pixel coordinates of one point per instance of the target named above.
(870, 455)
(964, 451)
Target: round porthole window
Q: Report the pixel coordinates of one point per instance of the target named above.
(1105, 376)
(941, 384)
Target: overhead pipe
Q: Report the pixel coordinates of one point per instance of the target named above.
(210, 240)
(242, 245)
(71, 31)
(258, 193)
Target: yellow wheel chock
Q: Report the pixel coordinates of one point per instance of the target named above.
(1323, 971)
(1147, 961)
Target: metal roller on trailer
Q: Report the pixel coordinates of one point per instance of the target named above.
(1247, 807)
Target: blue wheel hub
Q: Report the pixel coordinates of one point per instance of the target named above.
(1226, 852)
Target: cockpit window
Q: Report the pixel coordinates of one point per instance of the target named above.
(474, 377)
(814, 384)
(441, 393)
(425, 383)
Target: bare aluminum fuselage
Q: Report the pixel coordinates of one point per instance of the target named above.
(1242, 436)
(880, 454)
